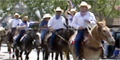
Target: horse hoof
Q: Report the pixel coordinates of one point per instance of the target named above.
(37, 58)
(13, 56)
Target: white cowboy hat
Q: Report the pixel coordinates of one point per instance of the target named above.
(46, 16)
(73, 10)
(58, 9)
(83, 3)
(16, 14)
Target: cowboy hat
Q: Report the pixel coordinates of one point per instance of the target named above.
(72, 10)
(58, 9)
(83, 3)
(46, 16)
(16, 14)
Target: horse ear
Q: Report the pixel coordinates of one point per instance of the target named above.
(104, 22)
(99, 25)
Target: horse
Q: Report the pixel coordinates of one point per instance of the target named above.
(56, 49)
(64, 40)
(2, 34)
(61, 42)
(28, 42)
(91, 45)
(7, 38)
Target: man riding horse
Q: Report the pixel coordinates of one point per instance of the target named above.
(23, 27)
(56, 24)
(43, 26)
(80, 22)
(15, 23)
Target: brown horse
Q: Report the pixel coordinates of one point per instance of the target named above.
(92, 46)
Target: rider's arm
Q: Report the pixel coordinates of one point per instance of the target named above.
(74, 22)
(50, 23)
(21, 26)
(93, 19)
(42, 25)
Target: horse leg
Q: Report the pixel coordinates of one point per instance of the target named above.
(27, 55)
(17, 54)
(52, 55)
(68, 58)
(61, 57)
(0, 42)
(46, 54)
(9, 49)
(38, 51)
(21, 55)
(56, 57)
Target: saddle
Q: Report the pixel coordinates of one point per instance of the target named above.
(72, 42)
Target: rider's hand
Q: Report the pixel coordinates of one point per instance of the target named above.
(87, 21)
(51, 29)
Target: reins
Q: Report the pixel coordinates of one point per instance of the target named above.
(89, 31)
(60, 37)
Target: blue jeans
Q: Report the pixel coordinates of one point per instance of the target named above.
(43, 33)
(78, 40)
(13, 31)
(53, 37)
(22, 32)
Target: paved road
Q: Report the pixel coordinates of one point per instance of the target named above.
(33, 55)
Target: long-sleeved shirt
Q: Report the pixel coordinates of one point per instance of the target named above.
(27, 25)
(79, 21)
(70, 18)
(43, 23)
(16, 22)
(57, 23)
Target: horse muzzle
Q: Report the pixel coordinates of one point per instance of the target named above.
(111, 41)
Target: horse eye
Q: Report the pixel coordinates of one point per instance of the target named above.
(104, 31)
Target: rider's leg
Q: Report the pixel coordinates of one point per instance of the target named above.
(78, 38)
(13, 31)
(52, 39)
(43, 33)
(22, 32)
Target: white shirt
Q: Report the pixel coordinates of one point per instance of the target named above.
(16, 22)
(79, 21)
(70, 18)
(57, 23)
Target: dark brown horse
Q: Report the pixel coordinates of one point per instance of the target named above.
(61, 43)
(28, 42)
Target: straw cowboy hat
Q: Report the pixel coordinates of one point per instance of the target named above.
(83, 3)
(16, 14)
(47, 16)
(72, 10)
(25, 18)
(58, 9)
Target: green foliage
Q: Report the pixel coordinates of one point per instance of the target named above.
(101, 8)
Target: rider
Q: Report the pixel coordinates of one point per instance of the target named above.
(15, 23)
(56, 24)
(80, 22)
(22, 27)
(43, 25)
(69, 14)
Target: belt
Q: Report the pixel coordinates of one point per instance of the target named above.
(83, 29)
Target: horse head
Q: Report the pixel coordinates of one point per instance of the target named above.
(36, 36)
(104, 32)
